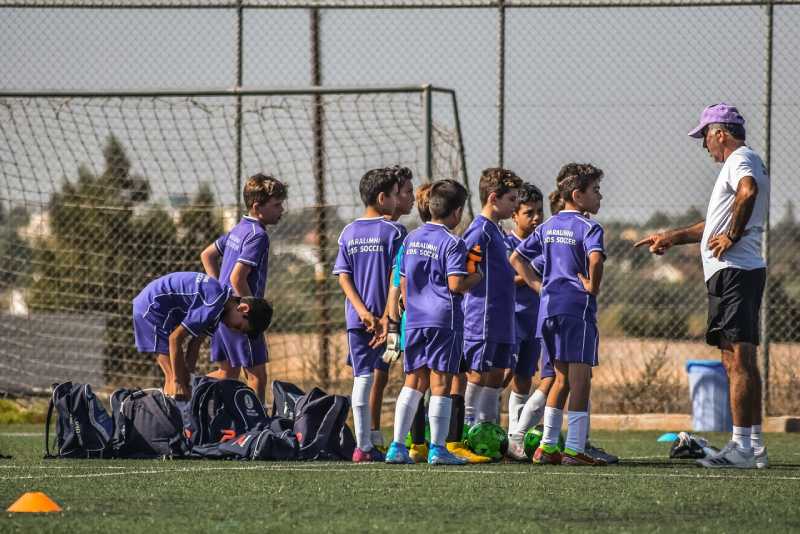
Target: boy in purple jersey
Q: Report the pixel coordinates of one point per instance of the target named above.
(367, 248)
(489, 337)
(527, 217)
(403, 205)
(435, 277)
(572, 247)
(245, 253)
(185, 305)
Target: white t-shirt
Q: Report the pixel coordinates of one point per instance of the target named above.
(746, 254)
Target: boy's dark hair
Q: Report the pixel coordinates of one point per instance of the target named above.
(445, 197)
(529, 193)
(259, 317)
(261, 187)
(498, 181)
(423, 197)
(556, 202)
(736, 130)
(375, 182)
(403, 174)
(579, 178)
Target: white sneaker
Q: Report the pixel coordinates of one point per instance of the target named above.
(730, 457)
(760, 454)
(516, 450)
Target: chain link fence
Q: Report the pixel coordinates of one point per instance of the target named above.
(539, 84)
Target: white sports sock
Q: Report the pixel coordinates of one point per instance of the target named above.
(376, 436)
(488, 405)
(553, 418)
(516, 402)
(589, 420)
(741, 436)
(439, 408)
(756, 439)
(576, 431)
(530, 415)
(405, 408)
(360, 401)
(471, 397)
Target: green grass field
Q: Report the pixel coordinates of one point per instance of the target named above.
(646, 491)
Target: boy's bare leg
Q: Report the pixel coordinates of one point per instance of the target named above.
(257, 380)
(169, 376)
(580, 386)
(225, 372)
(554, 410)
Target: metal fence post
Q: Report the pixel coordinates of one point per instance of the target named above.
(427, 129)
(321, 222)
(501, 80)
(764, 319)
(239, 82)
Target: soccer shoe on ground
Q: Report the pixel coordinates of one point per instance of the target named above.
(398, 454)
(516, 450)
(439, 455)
(372, 455)
(418, 453)
(570, 457)
(543, 457)
(461, 450)
(729, 457)
(599, 453)
(760, 454)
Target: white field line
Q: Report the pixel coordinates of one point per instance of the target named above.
(468, 471)
(21, 434)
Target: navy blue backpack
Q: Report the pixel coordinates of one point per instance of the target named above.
(83, 427)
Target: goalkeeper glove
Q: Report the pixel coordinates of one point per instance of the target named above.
(474, 258)
(392, 352)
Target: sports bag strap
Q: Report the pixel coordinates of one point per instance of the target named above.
(47, 426)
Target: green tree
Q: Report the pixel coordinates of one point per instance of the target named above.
(200, 223)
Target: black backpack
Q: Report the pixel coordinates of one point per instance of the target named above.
(284, 398)
(83, 427)
(274, 440)
(321, 427)
(147, 424)
(221, 410)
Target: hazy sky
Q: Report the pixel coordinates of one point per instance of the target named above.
(616, 87)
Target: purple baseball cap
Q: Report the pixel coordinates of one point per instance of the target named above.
(716, 114)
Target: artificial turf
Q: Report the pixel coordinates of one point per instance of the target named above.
(646, 492)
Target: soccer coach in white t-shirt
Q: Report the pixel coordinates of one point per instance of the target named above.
(735, 272)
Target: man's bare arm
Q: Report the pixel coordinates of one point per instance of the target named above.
(661, 242)
(746, 193)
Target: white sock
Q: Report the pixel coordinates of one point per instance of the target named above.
(487, 405)
(530, 415)
(741, 436)
(589, 420)
(756, 439)
(439, 408)
(516, 402)
(576, 431)
(553, 418)
(404, 410)
(471, 397)
(376, 437)
(361, 419)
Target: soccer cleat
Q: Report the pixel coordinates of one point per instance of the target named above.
(516, 450)
(398, 454)
(570, 457)
(760, 454)
(419, 453)
(372, 455)
(729, 457)
(462, 451)
(377, 440)
(600, 454)
(543, 457)
(438, 455)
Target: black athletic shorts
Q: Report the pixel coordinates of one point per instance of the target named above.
(734, 302)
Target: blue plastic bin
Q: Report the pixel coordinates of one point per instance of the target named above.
(708, 387)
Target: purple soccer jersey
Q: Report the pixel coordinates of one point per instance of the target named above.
(565, 241)
(489, 306)
(194, 300)
(367, 249)
(432, 254)
(246, 243)
(526, 304)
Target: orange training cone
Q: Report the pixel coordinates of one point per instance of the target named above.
(34, 501)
